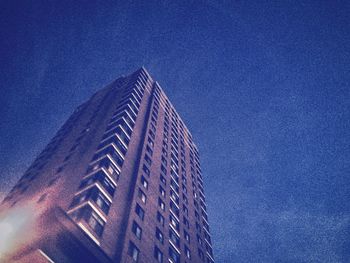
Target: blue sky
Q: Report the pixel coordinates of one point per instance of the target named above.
(262, 85)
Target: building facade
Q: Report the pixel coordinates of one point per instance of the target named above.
(120, 182)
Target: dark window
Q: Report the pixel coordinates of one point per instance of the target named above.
(139, 211)
(174, 256)
(160, 218)
(162, 179)
(159, 235)
(174, 238)
(114, 140)
(187, 252)
(112, 153)
(149, 150)
(136, 229)
(158, 255)
(133, 251)
(146, 170)
(187, 236)
(102, 179)
(148, 160)
(91, 218)
(173, 208)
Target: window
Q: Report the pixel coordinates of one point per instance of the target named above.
(107, 165)
(158, 255)
(119, 131)
(96, 223)
(112, 153)
(92, 219)
(142, 196)
(152, 134)
(162, 168)
(198, 227)
(164, 161)
(209, 249)
(187, 236)
(196, 215)
(160, 218)
(102, 179)
(185, 209)
(162, 179)
(174, 196)
(186, 222)
(133, 251)
(144, 182)
(207, 237)
(148, 160)
(174, 209)
(184, 188)
(93, 194)
(136, 229)
(159, 235)
(102, 202)
(161, 204)
(146, 170)
(187, 252)
(184, 197)
(114, 140)
(174, 185)
(149, 150)
(199, 239)
(161, 191)
(200, 254)
(150, 142)
(174, 238)
(139, 211)
(174, 222)
(164, 152)
(173, 255)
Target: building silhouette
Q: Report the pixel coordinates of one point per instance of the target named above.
(120, 182)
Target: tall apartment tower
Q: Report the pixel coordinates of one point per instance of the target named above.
(120, 182)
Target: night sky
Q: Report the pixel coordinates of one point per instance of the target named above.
(263, 87)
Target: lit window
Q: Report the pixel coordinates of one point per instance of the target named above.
(142, 196)
(174, 222)
(144, 182)
(161, 191)
(161, 204)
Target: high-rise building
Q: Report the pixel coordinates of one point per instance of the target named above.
(120, 182)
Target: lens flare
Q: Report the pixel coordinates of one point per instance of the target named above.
(14, 228)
